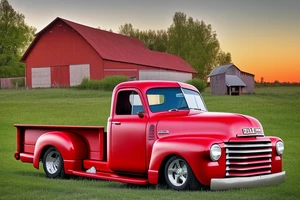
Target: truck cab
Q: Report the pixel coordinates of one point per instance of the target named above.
(159, 131)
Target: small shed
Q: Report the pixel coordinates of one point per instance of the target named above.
(230, 80)
(65, 52)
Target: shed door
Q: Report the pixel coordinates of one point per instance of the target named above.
(78, 72)
(60, 76)
(41, 77)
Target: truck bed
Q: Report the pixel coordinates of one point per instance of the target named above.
(27, 135)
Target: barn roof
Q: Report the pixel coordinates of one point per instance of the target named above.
(232, 80)
(116, 47)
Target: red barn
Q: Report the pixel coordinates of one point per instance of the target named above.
(64, 52)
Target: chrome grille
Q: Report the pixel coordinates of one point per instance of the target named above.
(248, 158)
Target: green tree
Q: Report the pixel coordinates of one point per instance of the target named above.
(15, 36)
(127, 29)
(154, 40)
(193, 40)
(223, 58)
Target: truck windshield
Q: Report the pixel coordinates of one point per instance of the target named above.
(173, 99)
(194, 100)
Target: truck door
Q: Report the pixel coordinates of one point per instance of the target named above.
(127, 152)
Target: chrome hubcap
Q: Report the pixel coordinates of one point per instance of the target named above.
(52, 162)
(177, 172)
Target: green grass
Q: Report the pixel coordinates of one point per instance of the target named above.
(277, 109)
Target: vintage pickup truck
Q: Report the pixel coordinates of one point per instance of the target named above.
(159, 132)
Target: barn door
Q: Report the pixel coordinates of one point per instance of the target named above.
(60, 76)
(41, 77)
(78, 72)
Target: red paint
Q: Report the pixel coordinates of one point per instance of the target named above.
(139, 146)
(59, 45)
(112, 68)
(60, 76)
(63, 43)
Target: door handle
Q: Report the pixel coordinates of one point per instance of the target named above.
(116, 123)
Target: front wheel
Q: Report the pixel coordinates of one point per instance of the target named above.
(179, 176)
(53, 163)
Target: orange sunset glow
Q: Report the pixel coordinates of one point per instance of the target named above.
(263, 36)
(270, 62)
(275, 58)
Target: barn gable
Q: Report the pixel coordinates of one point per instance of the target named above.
(64, 43)
(50, 57)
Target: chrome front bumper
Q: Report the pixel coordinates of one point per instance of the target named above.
(247, 182)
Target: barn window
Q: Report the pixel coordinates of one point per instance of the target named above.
(129, 103)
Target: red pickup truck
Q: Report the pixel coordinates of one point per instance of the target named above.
(159, 132)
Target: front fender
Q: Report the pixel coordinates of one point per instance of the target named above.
(195, 150)
(276, 159)
(70, 145)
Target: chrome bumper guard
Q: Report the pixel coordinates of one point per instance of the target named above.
(247, 182)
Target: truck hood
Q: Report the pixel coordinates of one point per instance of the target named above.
(209, 124)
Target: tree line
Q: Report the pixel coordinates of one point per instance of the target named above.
(15, 37)
(193, 40)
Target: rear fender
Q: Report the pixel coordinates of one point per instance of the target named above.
(195, 150)
(70, 145)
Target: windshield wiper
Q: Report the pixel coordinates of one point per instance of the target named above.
(196, 108)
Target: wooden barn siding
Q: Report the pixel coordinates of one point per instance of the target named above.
(233, 71)
(60, 76)
(170, 75)
(60, 46)
(249, 81)
(218, 84)
(113, 68)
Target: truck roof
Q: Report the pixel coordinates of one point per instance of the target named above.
(147, 84)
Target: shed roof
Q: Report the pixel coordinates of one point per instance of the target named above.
(232, 80)
(221, 69)
(116, 47)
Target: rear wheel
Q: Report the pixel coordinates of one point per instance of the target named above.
(53, 163)
(179, 176)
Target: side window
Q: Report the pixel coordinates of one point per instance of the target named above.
(155, 99)
(129, 103)
(165, 99)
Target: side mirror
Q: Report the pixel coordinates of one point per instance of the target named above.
(140, 114)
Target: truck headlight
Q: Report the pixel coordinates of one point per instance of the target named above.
(215, 152)
(279, 147)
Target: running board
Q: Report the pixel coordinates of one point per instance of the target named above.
(112, 177)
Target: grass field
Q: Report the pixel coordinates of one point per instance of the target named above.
(277, 108)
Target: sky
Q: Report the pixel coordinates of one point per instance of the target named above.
(263, 36)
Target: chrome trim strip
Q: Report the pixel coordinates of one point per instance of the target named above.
(228, 168)
(249, 151)
(247, 157)
(247, 182)
(254, 135)
(247, 145)
(249, 162)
